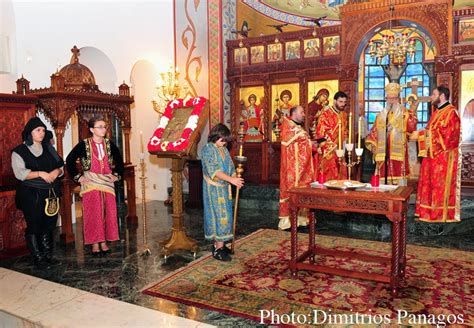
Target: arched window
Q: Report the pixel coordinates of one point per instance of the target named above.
(375, 81)
(415, 70)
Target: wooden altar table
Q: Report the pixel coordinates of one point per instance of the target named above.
(392, 204)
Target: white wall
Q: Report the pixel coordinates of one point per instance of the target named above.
(143, 80)
(125, 31)
(8, 72)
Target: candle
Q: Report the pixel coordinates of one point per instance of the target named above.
(141, 143)
(360, 132)
(241, 150)
(340, 133)
(350, 127)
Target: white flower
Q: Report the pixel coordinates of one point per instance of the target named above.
(174, 103)
(163, 122)
(196, 100)
(178, 142)
(192, 122)
(154, 141)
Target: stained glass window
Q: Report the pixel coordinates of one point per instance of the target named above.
(375, 81)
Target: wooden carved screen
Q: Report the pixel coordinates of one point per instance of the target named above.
(463, 90)
(15, 111)
(286, 68)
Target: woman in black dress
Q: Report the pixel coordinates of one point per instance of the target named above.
(37, 165)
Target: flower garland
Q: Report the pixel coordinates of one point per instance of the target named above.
(155, 143)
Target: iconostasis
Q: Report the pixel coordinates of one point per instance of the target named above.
(283, 60)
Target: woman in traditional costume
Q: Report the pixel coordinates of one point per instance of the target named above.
(219, 173)
(37, 165)
(102, 166)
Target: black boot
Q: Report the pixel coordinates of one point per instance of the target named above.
(46, 240)
(34, 247)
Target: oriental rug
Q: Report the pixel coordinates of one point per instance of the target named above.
(257, 284)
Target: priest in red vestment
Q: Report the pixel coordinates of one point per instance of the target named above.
(398, 122)
(328, 129)
(296, 168)
(439, 185)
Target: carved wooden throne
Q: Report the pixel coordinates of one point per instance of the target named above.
(73, 94)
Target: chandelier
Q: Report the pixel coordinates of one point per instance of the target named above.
(397, 46)
(168, 89)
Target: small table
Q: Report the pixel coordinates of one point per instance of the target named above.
(392, 204)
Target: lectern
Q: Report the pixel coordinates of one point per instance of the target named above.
(177, 137)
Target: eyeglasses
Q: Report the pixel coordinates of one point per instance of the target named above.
(100, 127)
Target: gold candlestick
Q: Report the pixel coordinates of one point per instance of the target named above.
(349, 147)
(240, 159)
(350, 163)
(146, 250)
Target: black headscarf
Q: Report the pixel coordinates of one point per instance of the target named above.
(47, 137)
(32, 124)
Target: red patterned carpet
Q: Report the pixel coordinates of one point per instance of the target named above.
(439, 285)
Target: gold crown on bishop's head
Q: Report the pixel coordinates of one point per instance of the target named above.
(393, 89)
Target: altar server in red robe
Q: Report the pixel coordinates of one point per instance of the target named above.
(327, 131)
(439, 185)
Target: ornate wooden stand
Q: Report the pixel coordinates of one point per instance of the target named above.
(178, 239)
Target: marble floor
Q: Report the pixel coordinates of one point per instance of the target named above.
(29, 301)
(124, 273)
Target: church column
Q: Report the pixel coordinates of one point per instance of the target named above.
(59, 131)
(126, 135)
(67, 235)
(445, 67)
(234, 99)
(267, 94)
(129, 178)
(304, 95)
(266, 117)
(348, 75)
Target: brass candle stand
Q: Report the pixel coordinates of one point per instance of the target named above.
(240, 159)
(146, 250)
(349, 147)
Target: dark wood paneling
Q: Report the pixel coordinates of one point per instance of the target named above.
(15, 111)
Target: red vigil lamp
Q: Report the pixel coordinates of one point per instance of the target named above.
(375, 181)
(321, 178)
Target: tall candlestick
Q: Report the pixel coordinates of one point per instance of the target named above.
(350, 127)
(340, 133)
(141, 143)
(241, 149)
(360, 132)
